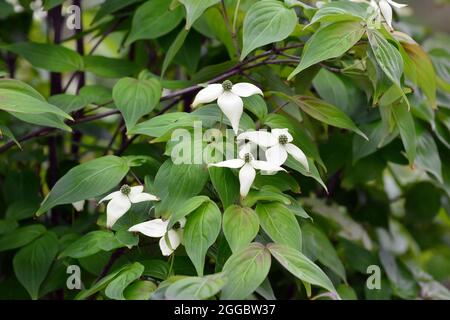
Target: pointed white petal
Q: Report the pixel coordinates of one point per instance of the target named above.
(232, 107)
(164, 246)
(276, 155)
(136, 190)
(262, 138)
(386, 11)
(245, 89)
(141, 197)
(246, 177)
(174, 239)
(116, 208)
(396, 4)
(79, 205)
(278, 132)
(298, 154)
(266, 166)
(154, 228)
(234, 163)
(110, 196)
(208, 94)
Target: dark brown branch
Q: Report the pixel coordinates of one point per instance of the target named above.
(240, 67)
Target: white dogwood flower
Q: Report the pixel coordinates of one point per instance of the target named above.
(228, 97)
(247, 164)
(385, 7)
(278, 144)
(120, 202)
(157, 228)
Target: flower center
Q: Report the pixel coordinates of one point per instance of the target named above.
(247, 157)
(125, 189)
(227, 85)
(283, 139)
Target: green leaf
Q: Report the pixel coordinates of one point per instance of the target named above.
(18, 102)
(139, 290)
(266, 193)
(154, 19)
(176, 185)
(266, 22)
(201, 231)
(50, 57)
(7, 225)
(317, 247)
(226, 184)
(100, 285)
(21, 237)
(32, 263)
(110, 6)
(187, 207)
(330, 41)
(326, 113)
(86, 181)
(136, 98)
(195, 8)
(387, 57)
(405, 123)
(427, 154)
(157, 269)
(280, 224)
(313, 171)
(341, 11)
(426, 76)
(256, 105)
(173, 50)
(91, 243)
(116, 287)
(109, 67)
(195, 288)
(46, 119)
(159, 126)
(245, 271)
(5, 132)
(240, 226)
(300, 266)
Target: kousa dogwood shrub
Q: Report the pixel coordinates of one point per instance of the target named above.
(234, 149)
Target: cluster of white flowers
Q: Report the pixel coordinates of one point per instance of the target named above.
(383, 8)
(277, 144)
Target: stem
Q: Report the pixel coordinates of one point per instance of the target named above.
(236, 11)
(228, 24)
(77, 135)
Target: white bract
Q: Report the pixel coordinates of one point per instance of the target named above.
(120, 202)
(278, 145)
(247, 164)
(157, 228)
(385, 8)
(228, 96)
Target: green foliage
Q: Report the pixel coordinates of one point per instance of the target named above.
(135, 109)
